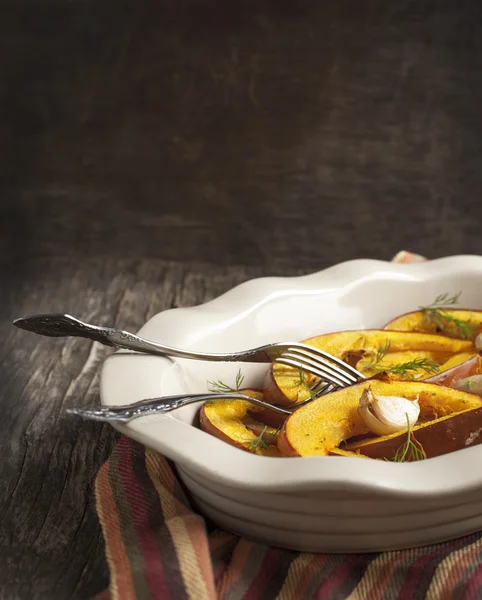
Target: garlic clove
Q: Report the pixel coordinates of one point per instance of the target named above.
(387, 414)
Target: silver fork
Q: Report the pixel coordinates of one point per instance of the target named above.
(333, 372)
(153, 406)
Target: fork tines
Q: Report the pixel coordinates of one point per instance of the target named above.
(321, 364)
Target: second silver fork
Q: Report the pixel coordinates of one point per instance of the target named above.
(156, 406)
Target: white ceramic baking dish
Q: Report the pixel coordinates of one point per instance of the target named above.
(324, 504)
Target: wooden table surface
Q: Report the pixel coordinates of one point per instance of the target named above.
(154, 154)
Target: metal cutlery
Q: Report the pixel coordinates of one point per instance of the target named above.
(153, 406)
(333, 372)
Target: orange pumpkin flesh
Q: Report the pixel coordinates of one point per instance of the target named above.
(282, 383)
(238, 422)
(318, 427)
(415, 321)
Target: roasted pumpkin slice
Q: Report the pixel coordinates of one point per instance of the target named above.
(460, 370)
(240, 424)
(318, 427)
(440, 436)
(455, 323)
(283, 384)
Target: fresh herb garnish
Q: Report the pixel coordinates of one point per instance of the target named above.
(259, 441)
(377, 356)
(408, 369)
(444, 322)
(411, 450)
(304, 384)
(221, 388)
(444, 300)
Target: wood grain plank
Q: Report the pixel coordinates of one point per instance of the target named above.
(50, 540)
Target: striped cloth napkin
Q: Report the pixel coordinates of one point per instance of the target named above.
(159, 548)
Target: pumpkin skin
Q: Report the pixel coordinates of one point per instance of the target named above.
(324, 424)
(441, 436)
(467, 368)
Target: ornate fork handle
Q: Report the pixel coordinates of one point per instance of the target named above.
(61, 325)
(124, 414)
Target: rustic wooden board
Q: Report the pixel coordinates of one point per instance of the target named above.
(155, 154)
(50, 537)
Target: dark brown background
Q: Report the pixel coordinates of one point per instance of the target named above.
(154, 154)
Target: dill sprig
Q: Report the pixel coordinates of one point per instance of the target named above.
(222, 388)
(411, 450)
(259, 441)
(377, 356)
(407, 370)
(445, 322)
(444, 300)
(304, 384)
